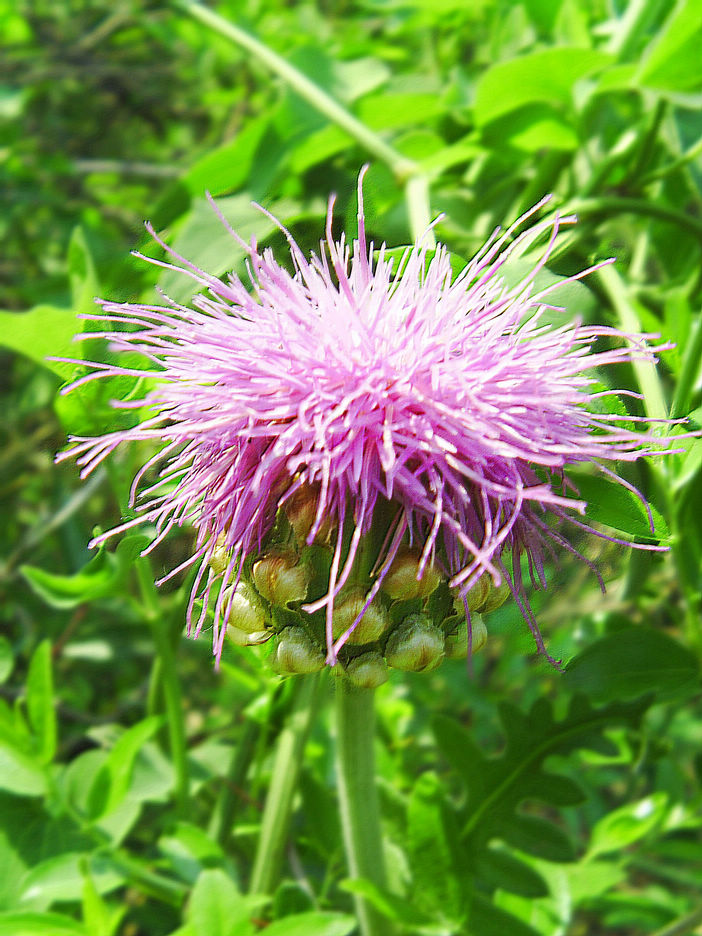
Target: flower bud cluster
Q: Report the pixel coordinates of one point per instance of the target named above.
(412, 624)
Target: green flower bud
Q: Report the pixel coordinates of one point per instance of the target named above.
(456, 644)
(372, 625)
(475, 596)
(219, 560)
(497, 596)
(368, 671)
(246, 610)
(416, 645)
(297, 653)
(401, 582)
(242, 639)
(280, 578)
(301, 510)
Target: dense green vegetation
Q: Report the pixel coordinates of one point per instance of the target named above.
(515, 800)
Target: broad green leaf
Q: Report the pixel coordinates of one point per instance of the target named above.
(99, 919)
(20, 773)
(388, 111)
(628, 824)
(217, 908)
(16, 923)
(207, 243)
(42, 332)
(40, 702)
(113, 778)
(673, 59)
(62, 878)
(226, 167)
(315, 923)
(631, 662)
(613, 505)
(547, 75)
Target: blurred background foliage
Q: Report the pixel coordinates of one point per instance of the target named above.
(112, 113)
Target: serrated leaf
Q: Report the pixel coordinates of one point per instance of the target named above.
(488, 920)
(632, 662)
(535, 836)
(501, 869)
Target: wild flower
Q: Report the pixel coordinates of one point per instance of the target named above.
(397, 404)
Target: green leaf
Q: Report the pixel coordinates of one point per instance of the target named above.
(7, 659)
(41, 332)
(39, 924)
(393, 907)
(85, 287)
(632, 662)
(40, 702)
(113, 778)
(20, 773)
(102, 576)
(430, 855)
(547, 75)
(535, 836)
(497, 786)
(313, 924)
(673, 59)
(500, 869)
(62, 878)
(628, 824)
(218, 909)
(614, 506)
(488, 920)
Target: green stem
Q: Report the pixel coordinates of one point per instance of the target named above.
(169, 678)
(302, 85)
(419, 211)
(277, 812)
(645, 371)
(689, 371)
(611, 206)
(358, 797)
(683, 926)
(224, 811)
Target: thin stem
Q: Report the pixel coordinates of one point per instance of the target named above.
(358, 797)
(418, 209)
(683, 926)
(277, 812)
(169, 678)
(302, 85)
(688, 373)
(610, 206)
(222, 820)
(645, 371)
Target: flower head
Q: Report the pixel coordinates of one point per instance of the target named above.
(391, 410)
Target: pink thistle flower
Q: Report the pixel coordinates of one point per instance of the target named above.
(447, 397)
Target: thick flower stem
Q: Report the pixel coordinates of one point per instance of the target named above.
(277, 812)
(358, 798)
